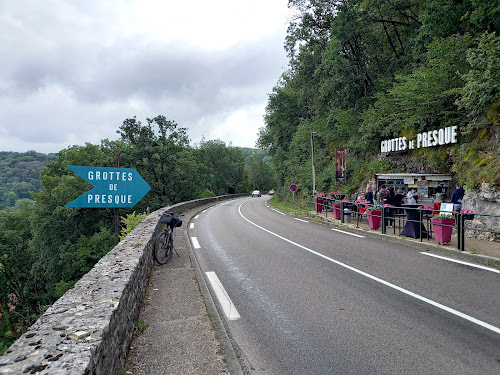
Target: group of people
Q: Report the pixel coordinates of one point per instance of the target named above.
(386, 195)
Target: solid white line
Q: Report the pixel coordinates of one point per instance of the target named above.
(222, 296)
(191, 226)
(195, 243)
(278, 211)
(426, 300)
(352, 234)
(304, 221)
(466, 263)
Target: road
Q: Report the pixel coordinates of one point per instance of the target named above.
(301, 298)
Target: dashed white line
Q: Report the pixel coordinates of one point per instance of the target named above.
(224, 300)
(352, 234)
(393, 286)
(461, 262)
(282, 213)
(197, 216)
(191, 226)
(304, 221)
(195, 243)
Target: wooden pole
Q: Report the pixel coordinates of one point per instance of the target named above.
(117, 210)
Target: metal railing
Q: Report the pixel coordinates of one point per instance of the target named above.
(419, 219)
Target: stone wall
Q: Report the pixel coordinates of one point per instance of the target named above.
(88, 329)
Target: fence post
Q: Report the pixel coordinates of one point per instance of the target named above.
(420, 223)
(382, 214)
(462, 231)
(341, 212)
(357, 215)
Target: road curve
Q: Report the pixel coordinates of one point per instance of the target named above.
(300, 298)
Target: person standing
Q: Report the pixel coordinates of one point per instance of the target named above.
(456, 197)
(369, 197)
(398, 200)
(412, 194)
(389, 213)
(382, 191)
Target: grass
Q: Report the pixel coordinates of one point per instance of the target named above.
(141, 326)
(296, 208)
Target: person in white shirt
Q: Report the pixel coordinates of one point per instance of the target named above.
(411, 196)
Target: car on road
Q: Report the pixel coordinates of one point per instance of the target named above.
(271, 192)
(256, 193)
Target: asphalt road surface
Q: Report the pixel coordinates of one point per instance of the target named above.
(301, 298)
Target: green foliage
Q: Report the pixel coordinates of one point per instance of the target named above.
(206, 194)
(62, 287)
(46, 247)
(443, 216)
(129, 222)
(362, 71)
(16, 257)
(221, 166)
(158, 152)
(20, 175)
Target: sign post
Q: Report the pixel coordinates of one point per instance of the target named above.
(293, 188)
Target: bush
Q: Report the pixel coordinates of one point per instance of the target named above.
(206, 194)
(130, 222)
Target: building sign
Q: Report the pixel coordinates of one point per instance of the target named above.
(113, 187)
(426, 139)
(340, 154)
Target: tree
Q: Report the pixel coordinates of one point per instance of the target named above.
(58, 230)
(222, 167)
(16, 259)
(159, 151)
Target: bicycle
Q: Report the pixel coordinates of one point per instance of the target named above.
(164, 241)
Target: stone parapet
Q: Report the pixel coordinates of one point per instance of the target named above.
(88, 329)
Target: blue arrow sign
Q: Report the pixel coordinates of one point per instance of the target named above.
(113, 187)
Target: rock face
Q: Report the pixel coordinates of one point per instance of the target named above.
(485, 201)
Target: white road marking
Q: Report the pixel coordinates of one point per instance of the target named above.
(421, 298)
(466, 263)
(352, 234)
(282, 213)
(195, 243)
(224, 300)
(197, 216)
(191, 226)
(304, 221)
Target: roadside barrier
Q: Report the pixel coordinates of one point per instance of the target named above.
(88, 330)
(411, 220)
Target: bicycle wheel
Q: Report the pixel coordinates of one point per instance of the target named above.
(163, 245)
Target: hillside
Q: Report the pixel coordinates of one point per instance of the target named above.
(364, 75)
(20, 175)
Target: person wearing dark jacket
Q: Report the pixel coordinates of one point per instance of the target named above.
(456, 197)
(389, 212)
(398, 200)
(369, 197)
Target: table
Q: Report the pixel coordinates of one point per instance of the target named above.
(413, 226)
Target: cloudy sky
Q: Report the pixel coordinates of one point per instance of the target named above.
(73, 70)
